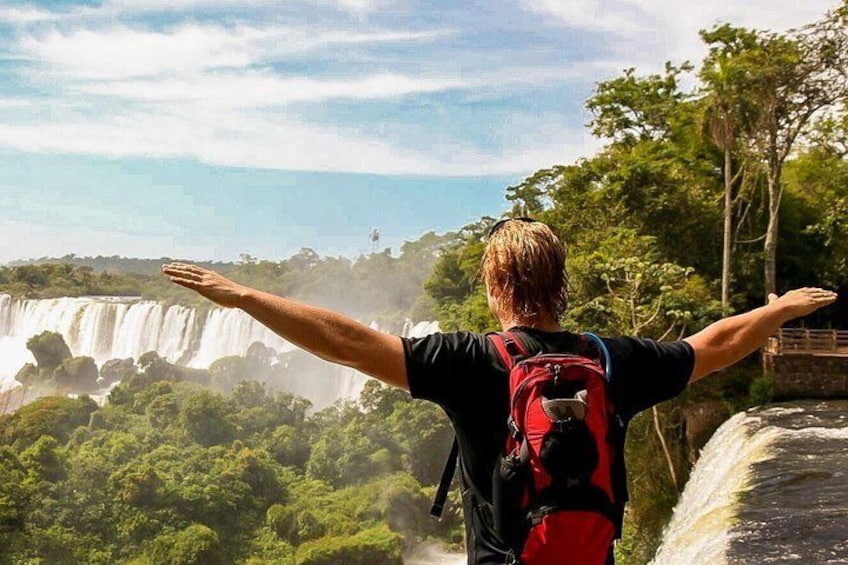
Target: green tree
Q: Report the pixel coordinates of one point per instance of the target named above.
(728, 113)
(792, 78)
(54, 416)
(628, 109)
(44, 459)
(203, 415)
(13, 497)
(195, 545)
(376, 546)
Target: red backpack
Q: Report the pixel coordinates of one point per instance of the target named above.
(555, 495)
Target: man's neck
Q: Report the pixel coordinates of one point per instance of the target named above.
(545, 325)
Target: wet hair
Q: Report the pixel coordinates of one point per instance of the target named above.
(524, 268)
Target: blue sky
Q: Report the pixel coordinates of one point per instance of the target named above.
(207, 128)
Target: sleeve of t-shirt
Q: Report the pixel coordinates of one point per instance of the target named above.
(648, 372)
(442, 367)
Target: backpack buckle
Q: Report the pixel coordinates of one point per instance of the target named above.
(514, 430)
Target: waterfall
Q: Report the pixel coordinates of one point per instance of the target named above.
(102, 328)
(117, 328)
(769, 487)
(431, 554)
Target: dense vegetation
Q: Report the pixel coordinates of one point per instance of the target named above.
(703, 200)
(376, 286)
(169, 472)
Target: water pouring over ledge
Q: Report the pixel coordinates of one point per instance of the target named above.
(770, 487)
(115, 328)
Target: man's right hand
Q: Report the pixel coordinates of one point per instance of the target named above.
(727, 341)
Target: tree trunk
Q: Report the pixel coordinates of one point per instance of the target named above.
(728, 216)
(770, 246)
(667, 453)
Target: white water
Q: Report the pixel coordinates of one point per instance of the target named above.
(699, 529)
(429, 554)
(118, 328)
(744, 484)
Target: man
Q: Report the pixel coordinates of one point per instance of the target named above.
(524, 271)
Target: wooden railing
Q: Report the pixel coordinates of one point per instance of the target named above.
(796, 340)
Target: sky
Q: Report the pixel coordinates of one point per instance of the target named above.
(203, 129)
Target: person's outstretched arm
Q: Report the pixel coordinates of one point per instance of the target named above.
(729, 340)
(327, 334)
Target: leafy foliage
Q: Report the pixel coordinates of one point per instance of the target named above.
(170, 472)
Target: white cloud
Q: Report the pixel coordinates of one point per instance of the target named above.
(275, 141)
(179, 5)
(15, 103)
(588, 14)
(234, 138)
(110, 9)
(33, 240)
(255, 89)
(211, 92)
(259, 89)
(216, 92)
(25, 15)
(645, 33)
(122, 52)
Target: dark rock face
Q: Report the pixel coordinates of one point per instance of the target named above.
(49, 350)
(29, 375)
(702, 420)
(117, 370)
(78, 374)
(799, 376)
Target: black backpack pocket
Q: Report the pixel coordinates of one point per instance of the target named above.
(569, 452)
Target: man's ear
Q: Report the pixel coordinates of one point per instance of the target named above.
(492, 301)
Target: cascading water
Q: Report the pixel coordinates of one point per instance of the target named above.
(118, 328)
(770, 487)
(430, 554)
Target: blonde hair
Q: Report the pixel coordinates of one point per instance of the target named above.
(524, 267)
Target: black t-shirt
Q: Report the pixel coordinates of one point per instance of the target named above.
(463, 373)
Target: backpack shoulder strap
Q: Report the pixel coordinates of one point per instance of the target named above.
(445, 481)
(591, 341)
(509, 348)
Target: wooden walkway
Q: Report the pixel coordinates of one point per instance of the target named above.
(796, 341)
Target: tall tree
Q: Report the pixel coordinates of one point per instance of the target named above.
(727, 113)
(657, 176)
(792, 78)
